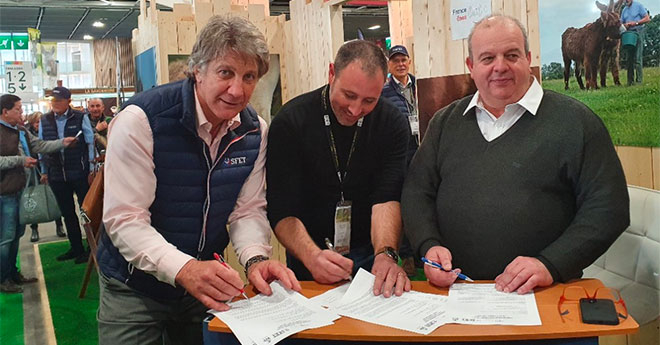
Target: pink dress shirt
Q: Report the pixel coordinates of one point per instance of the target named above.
(130, 189)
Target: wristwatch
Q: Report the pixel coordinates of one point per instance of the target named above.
(253, 260)
(389, 251)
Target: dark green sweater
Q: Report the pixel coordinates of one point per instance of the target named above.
(550, 187)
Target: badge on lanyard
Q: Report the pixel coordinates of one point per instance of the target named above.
(342, 237)
(414, 124)
(343, 227)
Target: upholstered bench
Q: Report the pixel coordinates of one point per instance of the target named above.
(632, 264)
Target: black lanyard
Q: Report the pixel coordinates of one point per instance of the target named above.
(333, 146)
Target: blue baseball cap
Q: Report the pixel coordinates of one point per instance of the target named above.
(399, 49)
(61, 92)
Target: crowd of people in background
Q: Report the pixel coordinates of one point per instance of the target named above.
(50, 146)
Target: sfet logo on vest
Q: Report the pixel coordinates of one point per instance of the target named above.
(234, 161)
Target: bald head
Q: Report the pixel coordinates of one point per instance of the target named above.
(96, 108)
(495, 20)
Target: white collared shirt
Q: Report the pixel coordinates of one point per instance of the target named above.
(492, 127)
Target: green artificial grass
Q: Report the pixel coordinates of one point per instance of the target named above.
(74, 319)
(631, 113)
(11, 319)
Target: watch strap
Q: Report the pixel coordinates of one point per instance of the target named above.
(253, 260)
(389, 251)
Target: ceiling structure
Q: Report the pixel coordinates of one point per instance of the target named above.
(61, 20)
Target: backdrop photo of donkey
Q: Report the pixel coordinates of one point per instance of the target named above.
(585, 46)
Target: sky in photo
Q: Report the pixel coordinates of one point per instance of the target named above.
(557, 15)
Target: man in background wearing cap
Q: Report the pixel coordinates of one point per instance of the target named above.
(67, 170)
(400, 89)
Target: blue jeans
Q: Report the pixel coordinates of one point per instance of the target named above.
(10, 234)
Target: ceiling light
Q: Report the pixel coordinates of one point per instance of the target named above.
(374, 27)
(88, 37)
(98, 24)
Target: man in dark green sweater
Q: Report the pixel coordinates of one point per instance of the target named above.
(515, 183)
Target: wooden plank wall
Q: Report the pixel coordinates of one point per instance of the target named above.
(313, 36)
(641, 165)
(435, 53)
(105, 60)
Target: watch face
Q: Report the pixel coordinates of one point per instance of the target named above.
(391, 253)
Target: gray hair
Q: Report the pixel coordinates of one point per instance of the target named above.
(95, 99)
(224, 35)
(369, 54)
(497, 18)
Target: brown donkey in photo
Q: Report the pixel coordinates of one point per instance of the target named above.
(585, 45)
(609, 58)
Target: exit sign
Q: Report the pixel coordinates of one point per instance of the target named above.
(15, 41)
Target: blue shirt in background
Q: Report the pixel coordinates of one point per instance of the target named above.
(633, 13)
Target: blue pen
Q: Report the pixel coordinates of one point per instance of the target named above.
(438, 266)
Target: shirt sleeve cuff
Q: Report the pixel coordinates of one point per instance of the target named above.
(556, 277)
(170, 266)
(254, 250)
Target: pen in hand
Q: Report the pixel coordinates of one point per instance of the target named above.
(222, 261)
(438, 266)
(332, 248)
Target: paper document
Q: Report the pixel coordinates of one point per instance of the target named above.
(481, 304)
(413, 311)
(331, 296)
(269, 319)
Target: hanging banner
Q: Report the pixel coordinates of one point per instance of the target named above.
(463, 15)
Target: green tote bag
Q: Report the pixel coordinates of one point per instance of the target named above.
(37, 204)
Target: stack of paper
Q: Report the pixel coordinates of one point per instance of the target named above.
(269, 319)
(481, 304)
(413, 311)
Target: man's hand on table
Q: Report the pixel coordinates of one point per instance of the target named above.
(262, 273)
(522, 275)
(210, 282)
(389, 276)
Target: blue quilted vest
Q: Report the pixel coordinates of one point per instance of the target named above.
(73, 164)
(391, 92)
(190, 188)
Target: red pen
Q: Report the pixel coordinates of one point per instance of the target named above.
(222, 261)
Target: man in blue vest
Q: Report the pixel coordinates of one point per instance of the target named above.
(184, 175)
(67, 170)
(401, 90)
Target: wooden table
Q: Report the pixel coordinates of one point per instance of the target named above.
(347, 329)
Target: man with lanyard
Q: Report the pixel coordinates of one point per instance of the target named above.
(633, 17)
(401, 90)
(335, 167)
(15, 146)
(67, 171)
